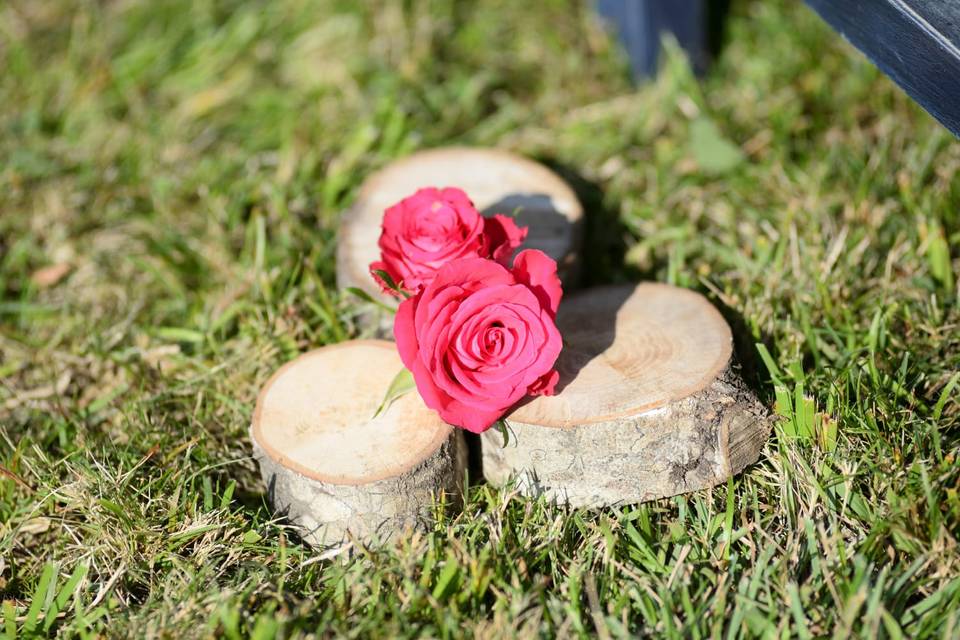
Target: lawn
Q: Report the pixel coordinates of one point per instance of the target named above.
(171, 177)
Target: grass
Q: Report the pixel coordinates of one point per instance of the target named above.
(171, 175)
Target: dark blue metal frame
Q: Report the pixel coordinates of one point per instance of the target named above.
(915, 42)
(696, 24)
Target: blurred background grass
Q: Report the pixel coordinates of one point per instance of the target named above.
(171, 176)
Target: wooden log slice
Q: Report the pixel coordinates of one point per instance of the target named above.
(496, 181)
(648, 404)
(336, 471)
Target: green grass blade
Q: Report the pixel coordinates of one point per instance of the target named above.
(9, 620)
(945, 396)
(366, 297)
(66, 592)
(448, 580)
(769, 362)
(41, 597)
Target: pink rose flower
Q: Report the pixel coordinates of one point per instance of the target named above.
(432, 227)
(479, 337)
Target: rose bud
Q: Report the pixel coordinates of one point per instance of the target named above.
(479, 337)
(432, 227)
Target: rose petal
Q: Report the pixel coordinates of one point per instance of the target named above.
(432, 396)
(405, 331)
(456, 197)
(470, 418)
(550, 347)
(545, 385)
(538, 271)
(502, 236)
(472, 274)
(426, 230)
(480, 338)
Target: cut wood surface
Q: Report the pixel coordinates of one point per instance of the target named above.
(496, 181)
(648, 404)
(332, 467)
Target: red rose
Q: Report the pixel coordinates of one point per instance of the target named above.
(434, 226)
(480, 337)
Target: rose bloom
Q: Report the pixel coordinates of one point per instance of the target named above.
(479, 337)
(423, 232)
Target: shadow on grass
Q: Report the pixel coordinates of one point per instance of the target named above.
(745, 355)
(602, 256)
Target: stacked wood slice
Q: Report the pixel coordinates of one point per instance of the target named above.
(649, 404)
(337, 471)
(496, 181)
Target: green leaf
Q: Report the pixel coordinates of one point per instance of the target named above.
(387, 280)
(501, 426)
(402, 383)
(366, 297)
(712, 151)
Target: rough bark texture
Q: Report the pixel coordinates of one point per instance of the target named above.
(686, 445)
(330, 514)
(337, 466)
(648, 404)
